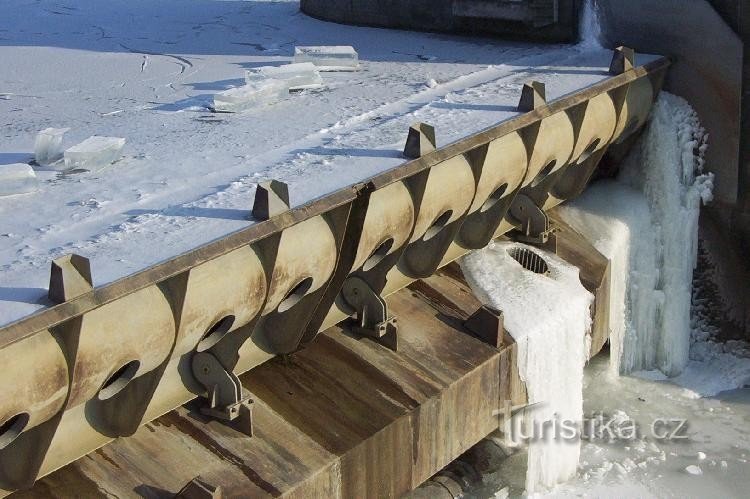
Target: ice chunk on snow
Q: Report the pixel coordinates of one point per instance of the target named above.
(48, 146)
(18, 178)
(298, 76)
(333, 58)
(694, 470)
(254, 94)
(94, 152)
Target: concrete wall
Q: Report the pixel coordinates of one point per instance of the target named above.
(448, 15)
(707, 69)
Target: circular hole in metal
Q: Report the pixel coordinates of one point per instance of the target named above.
(586, 154)
(118, 380)
(545, 171)
(529, 260)
(377, 256)
(496, 196)
(438, 225)
(11, 428)
(215, 333)
(295, 294)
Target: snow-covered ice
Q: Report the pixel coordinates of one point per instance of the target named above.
(94, 153)
(252, 95)
(548, 315)
(48, 146)
(188, 176)
(18, 178)
(303, 75)
(330, 58)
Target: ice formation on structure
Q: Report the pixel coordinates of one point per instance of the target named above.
(549, 317)
(650, 213)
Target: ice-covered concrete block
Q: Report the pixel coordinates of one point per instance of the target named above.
(298, 76)
(333, 58)
(18, 178)
(94, 152)
(254, 94)
(48, 146)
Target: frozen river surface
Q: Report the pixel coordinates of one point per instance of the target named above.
(147, 71)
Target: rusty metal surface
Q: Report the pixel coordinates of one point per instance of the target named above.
(343, 418)
(110, 360)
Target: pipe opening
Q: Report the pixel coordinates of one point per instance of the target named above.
(118, 380)
(586, 154)
(295, 294)
(377, 256)
(529, 260)
(12, 427)
(496, 196)
(542, 174)
(215, 333)
(438, 225)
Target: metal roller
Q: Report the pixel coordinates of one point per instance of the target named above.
(501, 172)
(221, 296)
(37, 387)
(552, 148)
(594, 135)
(446, 197)
(119, 342)
(305, 261)
(388, 224)
(635, 109)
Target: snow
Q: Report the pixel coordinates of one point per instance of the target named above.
(18, 178)
(187, 176)
(549, 318)
(336, 58)
(94, 153)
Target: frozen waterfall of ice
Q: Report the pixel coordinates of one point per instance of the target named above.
(646, 222)
(590, 30)
(549, 318)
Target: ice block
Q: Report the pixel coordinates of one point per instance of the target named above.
(94, 152)
(48, 146)
(333, 58)
(298, 76)
(254, 94)
(18, 178)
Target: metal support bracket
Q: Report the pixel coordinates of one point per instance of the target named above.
(487, 325)
(535, 227)
(226, 399)
(371, 311)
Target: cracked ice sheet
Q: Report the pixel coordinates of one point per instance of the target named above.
(146, 70)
